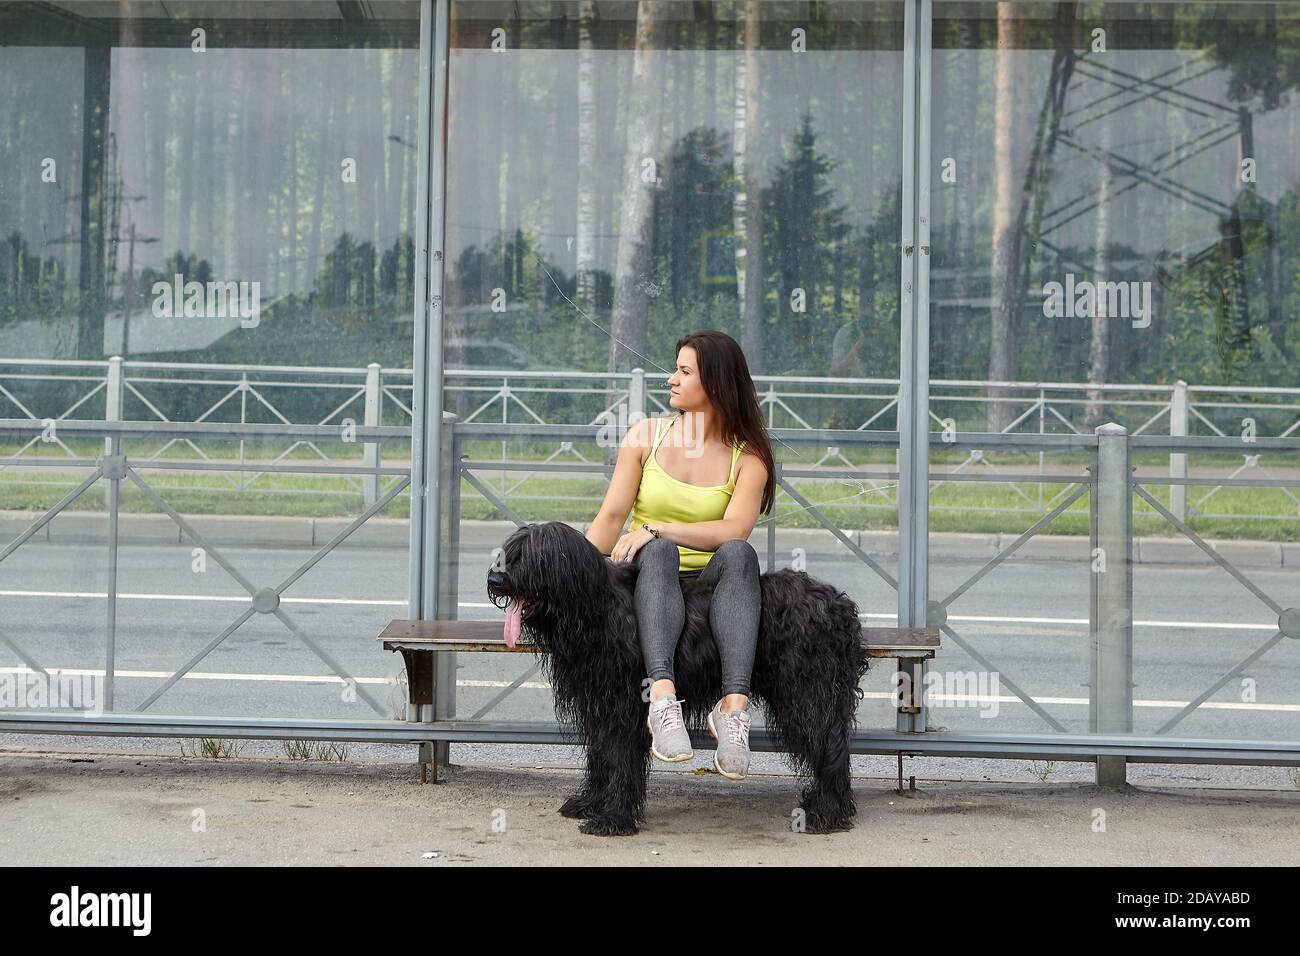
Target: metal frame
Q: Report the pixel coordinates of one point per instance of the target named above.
(428, 469)
(419, 362)
(914, 395)
(1079, 747)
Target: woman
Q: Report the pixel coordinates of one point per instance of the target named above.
(695, 483)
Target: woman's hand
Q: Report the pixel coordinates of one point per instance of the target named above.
(628, 545)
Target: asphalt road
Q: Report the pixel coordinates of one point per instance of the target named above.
(1027, 619)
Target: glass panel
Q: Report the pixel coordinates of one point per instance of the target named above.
(611, 180)
(1115, 242)
(208, 214)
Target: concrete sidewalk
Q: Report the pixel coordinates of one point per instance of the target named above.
(83, 808)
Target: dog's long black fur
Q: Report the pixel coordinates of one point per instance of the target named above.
(577, 607)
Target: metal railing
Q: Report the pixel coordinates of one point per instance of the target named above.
(375, 396)
(116, 466)
(228, 395)
(1108, 481)
(1110, 485)
(370, 396)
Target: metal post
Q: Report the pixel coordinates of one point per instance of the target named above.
(113, 471)
(374, 399)
(432, 385)
(1110, 708)
(1042, 455)
(427, 372)
(505, 419)
(243, 420)
(444, 666)
(1178, 460)
(436, 448)
(422, 317)
(636, 397)
(914, 371)
(113, 395)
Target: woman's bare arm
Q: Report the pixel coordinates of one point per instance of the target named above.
(623, 486)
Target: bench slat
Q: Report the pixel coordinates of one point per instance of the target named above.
(910, 637)
(438, 631)
(472, 636)
(469, 636)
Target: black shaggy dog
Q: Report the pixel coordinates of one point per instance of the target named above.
(577, 606)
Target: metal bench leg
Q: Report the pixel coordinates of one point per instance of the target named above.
(429, 761)
(424, 675)
(911, 780)
(912, 716)
(444, 702)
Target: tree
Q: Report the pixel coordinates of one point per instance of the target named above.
(585, 239)
(1008, 137)
(641, 181)
(1099, 351)
(806, 231)
(1012, 227)
(747, 208)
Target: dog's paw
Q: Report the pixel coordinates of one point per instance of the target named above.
(608, 826)
(823, 823)
(577, 807)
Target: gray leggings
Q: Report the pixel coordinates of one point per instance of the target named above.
(733, 609)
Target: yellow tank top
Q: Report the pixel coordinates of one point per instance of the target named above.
(663, 499)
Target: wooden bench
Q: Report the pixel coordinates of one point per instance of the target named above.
(418, 641)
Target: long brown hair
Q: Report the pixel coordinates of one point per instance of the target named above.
(724, 373)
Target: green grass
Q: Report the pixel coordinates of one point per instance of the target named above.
(314, 750)
(1247, 513)
(311, 496)
(214, 748)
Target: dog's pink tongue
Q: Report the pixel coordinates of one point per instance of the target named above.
(514, 622)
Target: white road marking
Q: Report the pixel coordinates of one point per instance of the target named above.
(228, 598)
(993, 619)
(963, 699)
(483, 605)
(272, 678)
